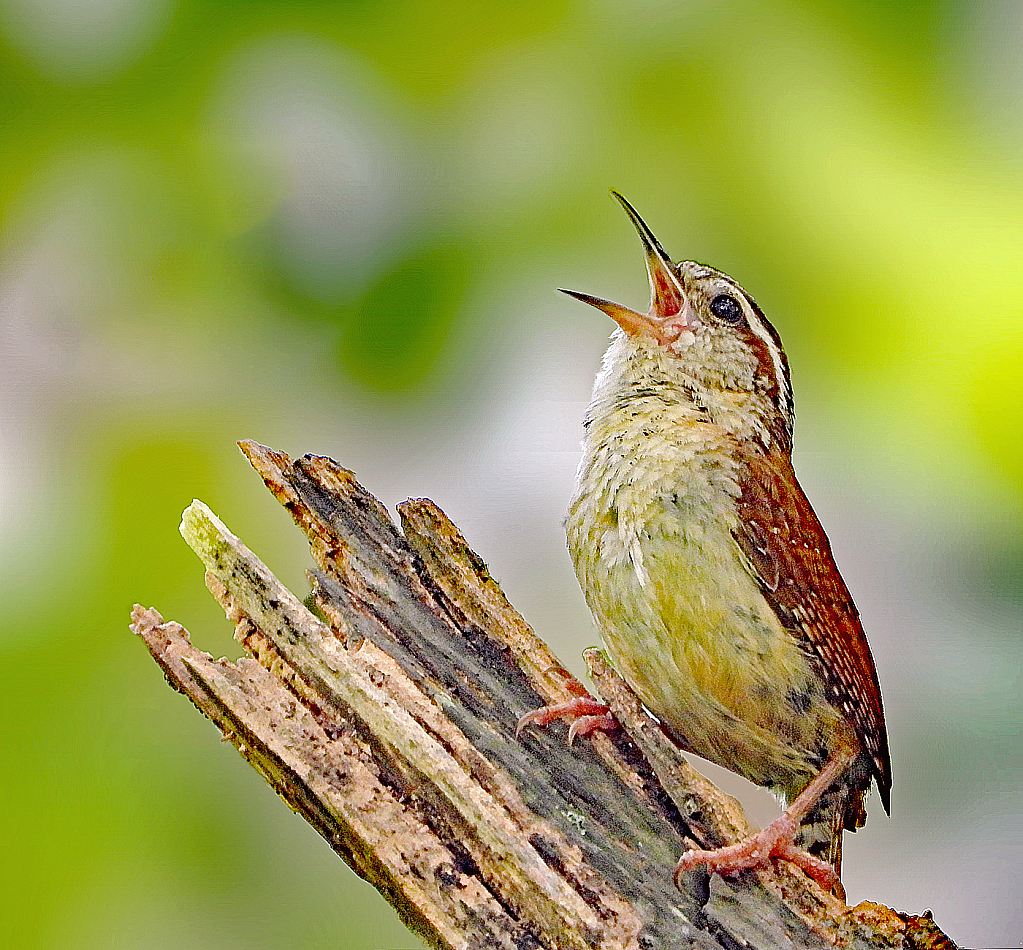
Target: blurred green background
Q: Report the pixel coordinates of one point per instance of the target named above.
(337, 228)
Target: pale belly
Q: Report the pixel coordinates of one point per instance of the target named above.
(689, 629)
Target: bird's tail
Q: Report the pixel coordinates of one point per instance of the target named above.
(840, 808)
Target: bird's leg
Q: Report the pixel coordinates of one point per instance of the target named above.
(777, 840)
(586, 714)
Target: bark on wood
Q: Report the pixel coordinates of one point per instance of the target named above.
(388, 722)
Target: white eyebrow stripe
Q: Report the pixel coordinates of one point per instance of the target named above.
(784, 390)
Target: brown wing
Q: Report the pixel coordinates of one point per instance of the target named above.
(784, 542)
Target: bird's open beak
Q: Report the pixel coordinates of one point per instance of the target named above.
(670, 311)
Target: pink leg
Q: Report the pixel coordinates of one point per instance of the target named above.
(777, 839)
(587, 715)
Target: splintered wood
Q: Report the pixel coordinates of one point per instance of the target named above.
(386, 718)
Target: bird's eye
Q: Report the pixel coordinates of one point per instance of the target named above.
(726, 307)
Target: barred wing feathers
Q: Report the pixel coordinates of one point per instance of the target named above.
(783, 540)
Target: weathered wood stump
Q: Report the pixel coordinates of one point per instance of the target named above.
(386, 718)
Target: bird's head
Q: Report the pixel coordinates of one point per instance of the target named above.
(708, 335)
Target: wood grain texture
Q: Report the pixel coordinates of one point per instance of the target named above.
(391, 728)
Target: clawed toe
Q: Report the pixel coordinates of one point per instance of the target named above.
(587, 715)
(758, 851)
(584, 725)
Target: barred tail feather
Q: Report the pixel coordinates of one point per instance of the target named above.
(841, 808)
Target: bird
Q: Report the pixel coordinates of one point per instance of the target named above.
(708, 574)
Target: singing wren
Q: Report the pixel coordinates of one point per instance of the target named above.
(707, 572)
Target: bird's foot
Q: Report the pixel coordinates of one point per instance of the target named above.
(777, 840)
(586, 714)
